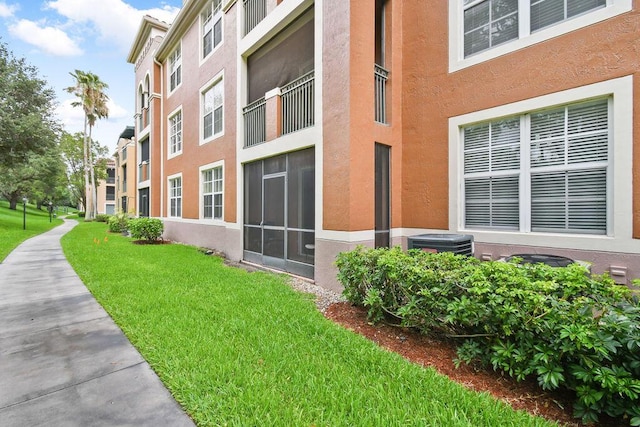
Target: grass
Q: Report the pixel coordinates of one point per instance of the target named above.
(238, 348)
(11, 232)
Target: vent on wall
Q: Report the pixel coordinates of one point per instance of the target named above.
(461, 244)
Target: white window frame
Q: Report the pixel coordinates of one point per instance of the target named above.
(174, 133)
(217, 80)
(211, 15)
(457, 61)
(201, 171)
(175, 67)
(619, 180)
(170, 196)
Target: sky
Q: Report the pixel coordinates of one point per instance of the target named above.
(61, 36)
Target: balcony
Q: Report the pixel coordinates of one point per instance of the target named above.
(298, 104)
(143, 171)
(380, 77)
(282, 111)
(111, 180)
(254, 12)
(143, 119)
(254, 123)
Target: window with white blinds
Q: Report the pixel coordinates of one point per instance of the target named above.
(552, 163)
(492, 174)
(549, 12)
(489, 23)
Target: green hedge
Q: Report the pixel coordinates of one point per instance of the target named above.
(146, 228)
(563, 326)
(118, 223)
(102, 217)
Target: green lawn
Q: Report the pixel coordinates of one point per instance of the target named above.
(11, 232)
(244, 349)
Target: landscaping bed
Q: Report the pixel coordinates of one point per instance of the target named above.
(439, 354)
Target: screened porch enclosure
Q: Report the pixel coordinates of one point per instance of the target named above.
(279, 212)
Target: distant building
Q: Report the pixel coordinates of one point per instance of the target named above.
(283, 132)
(125, 158)
(106, 191)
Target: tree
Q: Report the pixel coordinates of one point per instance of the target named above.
(72, 149)
(92, 98)
(26, 110)
(38, 178)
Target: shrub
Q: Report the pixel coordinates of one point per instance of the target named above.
(562, 326)
(118, 223)
(80, 214)
(146, 228)
(102, 217)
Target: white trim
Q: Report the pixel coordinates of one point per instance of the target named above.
(217, 79)
(172, 114)
(201, 169)
(295, 141)
(457, 61)
(621, 166)
(169, 179)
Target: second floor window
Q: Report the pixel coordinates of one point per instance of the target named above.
(212, 110)
(211, 19)
(548, 12)
(175, 69)
(175, 133)
(489, 23)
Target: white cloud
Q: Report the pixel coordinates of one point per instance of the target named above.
(7, 10)
(71, 117)
(116, 111)
(115, 21)
(105, 131)
(50, 40)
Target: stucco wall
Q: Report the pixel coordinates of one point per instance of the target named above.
(195, 75)
(432, 95)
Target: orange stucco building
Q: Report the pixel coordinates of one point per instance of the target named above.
(283, 132)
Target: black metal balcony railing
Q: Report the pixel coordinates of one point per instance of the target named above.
(254, 123)
(143, 171)
(254, 12)
(380, 76)
(298, 104)
(111, 180)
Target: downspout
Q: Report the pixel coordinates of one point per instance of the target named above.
(161, 135)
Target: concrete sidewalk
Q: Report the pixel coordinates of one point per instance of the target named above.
(63, 361)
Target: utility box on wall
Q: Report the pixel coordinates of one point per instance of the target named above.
(461, 244)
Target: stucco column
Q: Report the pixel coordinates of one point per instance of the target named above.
(273, 119)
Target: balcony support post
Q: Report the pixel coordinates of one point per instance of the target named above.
(273, 112)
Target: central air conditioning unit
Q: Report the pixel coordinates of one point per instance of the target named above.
(461, 244)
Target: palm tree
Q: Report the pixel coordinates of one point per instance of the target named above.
(93, 100)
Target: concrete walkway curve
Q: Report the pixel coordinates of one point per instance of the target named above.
(63, 361)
